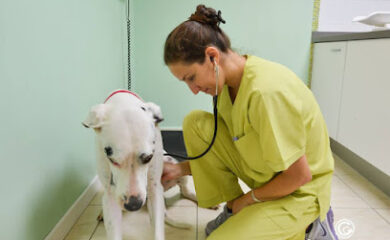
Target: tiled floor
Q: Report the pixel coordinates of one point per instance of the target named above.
(353, 198)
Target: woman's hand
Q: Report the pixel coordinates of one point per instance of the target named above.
(172, 171)
(241, 202)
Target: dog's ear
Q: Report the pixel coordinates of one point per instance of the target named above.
(156, 111)
(96, 117)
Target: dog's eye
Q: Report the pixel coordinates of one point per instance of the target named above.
(146, 158)
(108, 151)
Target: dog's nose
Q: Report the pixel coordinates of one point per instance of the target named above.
(133, 204)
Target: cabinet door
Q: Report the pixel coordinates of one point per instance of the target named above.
(365, 105)
(327, 78)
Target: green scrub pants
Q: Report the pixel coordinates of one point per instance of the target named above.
(216, 181)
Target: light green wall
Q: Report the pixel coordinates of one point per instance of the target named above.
(57, 59)
(279, 30)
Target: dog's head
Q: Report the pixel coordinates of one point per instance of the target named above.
(126, 140)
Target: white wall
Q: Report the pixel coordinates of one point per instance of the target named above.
(337, 15)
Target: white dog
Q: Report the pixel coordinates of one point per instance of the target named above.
(130, 160)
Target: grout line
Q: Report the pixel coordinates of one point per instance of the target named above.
(375, 209)
(81, 216)
(363, 179)
(358, 174)
(368, 204)
(94, 231)
(346, 184)
(357, 194)
(97, 225)
(74, 225)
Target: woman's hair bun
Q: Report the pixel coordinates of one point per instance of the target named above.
(188, 41)
(207, 15)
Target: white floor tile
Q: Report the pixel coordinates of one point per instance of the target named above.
(368, 224)
(353, 198)
(342, 168)
(136, 225)
(374, 197)
(343, 197)
(86, 224)
(385, 213)
(97, 200)
(100, 233)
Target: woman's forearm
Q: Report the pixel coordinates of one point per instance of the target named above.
(285, 183)
(282, 185)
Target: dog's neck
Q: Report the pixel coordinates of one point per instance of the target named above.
(122, 91)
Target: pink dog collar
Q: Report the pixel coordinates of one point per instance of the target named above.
(122, 91)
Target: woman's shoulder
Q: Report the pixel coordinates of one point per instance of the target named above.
(264, 67)
(266, 76)
(254, 61)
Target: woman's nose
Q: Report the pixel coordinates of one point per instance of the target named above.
(195, 89)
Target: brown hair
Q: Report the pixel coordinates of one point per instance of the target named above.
(188, 41)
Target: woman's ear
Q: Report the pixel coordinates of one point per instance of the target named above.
(212, 54)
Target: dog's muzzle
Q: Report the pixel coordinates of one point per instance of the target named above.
(133, 204)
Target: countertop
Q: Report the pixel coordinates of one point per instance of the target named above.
(318, 37)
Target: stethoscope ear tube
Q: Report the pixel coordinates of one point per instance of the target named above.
(215, 100)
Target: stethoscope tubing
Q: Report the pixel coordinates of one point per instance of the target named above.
(215, 101)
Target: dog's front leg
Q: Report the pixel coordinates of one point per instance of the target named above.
(112, 217)
(156, 206)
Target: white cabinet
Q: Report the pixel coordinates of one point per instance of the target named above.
(327, 78)
(364, 125)
(351, 81)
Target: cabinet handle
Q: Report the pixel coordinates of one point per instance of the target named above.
(336, 49)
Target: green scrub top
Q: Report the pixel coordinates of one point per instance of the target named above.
(274, 121)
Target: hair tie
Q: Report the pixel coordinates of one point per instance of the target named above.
(220, 19)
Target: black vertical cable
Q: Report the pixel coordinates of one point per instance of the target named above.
(128, 47)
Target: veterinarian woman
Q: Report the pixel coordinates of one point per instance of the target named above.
(271, 134)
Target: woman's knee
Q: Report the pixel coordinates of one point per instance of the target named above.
(197, 120)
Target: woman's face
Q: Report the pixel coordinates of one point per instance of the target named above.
(198, 77)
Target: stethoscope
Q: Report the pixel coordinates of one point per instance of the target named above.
(215, 99)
